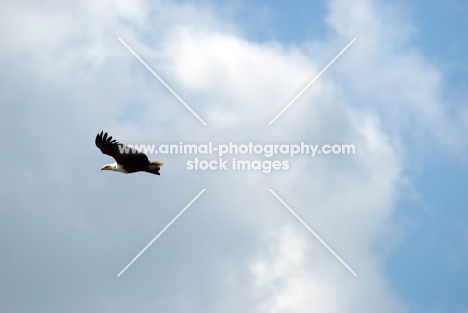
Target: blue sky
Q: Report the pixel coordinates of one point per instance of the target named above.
(396, 212)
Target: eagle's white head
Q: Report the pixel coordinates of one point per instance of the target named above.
(114, 167)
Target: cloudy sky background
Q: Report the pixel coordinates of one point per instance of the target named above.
(395, 211)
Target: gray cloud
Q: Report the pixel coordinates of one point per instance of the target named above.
(67, 229)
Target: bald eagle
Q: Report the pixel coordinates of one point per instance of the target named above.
(128, 160)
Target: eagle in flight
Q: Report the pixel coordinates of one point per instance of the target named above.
(128, 160)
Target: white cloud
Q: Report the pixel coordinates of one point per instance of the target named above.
(387, 72)
(238, 250)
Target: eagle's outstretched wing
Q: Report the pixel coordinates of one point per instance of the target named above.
(122, 154)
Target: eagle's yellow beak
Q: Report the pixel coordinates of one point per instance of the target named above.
(103, 168)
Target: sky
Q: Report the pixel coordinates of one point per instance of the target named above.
(395, 211)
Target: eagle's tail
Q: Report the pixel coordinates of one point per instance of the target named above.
(155, 164)
(153, 167)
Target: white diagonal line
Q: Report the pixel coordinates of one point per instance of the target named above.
(161, 232)
(162, 81)
(312, 81)
(313, 233)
